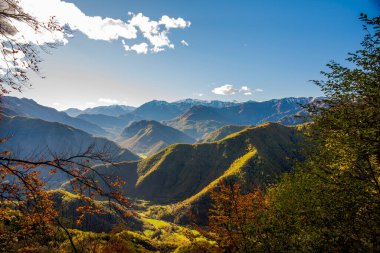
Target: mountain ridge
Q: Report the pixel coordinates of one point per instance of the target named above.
(12, 106)
(180, 171)
(196, 123)
(109, 110)
(149, 136)
(31, 138)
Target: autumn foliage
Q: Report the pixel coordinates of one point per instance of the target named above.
(233, 215)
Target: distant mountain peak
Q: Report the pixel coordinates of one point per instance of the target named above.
(13, 106)
(108, 110)
(150, 136)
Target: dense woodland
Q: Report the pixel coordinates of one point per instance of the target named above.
(265, 187)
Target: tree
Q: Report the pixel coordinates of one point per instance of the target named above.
(234, 214)
(348, 134)
(27, 210)
(332, 203)
(18, 55)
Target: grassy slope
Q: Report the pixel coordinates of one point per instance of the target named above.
(182, 170)
(196, 129)
(222, 133)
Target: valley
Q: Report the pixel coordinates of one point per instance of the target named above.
(189, 126)
(167, 173)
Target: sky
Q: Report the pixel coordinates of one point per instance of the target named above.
(133, 51)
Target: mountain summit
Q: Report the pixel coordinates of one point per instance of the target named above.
(149, 136)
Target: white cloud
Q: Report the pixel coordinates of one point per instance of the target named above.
(201, 95)
(229, 89)
(174, 22)
(184, 42)
(99, 28)
(226, 89)
(138, 48)
(245, 90)
(108, 101)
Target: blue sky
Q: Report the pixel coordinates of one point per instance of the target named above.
(272, 47)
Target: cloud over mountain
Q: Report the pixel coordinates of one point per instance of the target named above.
(229, 89)
(226, 89)
(245, 90)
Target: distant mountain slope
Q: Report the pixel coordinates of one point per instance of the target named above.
(257, 155)
(222, 132)
(113, 125)
(248, 113)
(252, 113)
(110, 110)
(196, 129)
(104, 121)
(37, 138)
(186, 104)
(13, 106)
(198, 121)
(157, 110)
(201, 112)
(148, 137)
(73, 112)
(162, 110)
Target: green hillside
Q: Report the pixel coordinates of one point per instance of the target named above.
(182, 171)
(222, 132)
(196, 129)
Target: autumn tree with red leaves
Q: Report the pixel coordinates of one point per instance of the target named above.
(233, 215)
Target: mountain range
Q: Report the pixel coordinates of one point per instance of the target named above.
(12, 106)
(201, 120)
(113, 125)
(110, 110)
(162, 110)
(184, 121)
(185, 173)
(30, 138)
(187, 146)
(194, 117)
